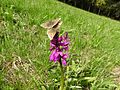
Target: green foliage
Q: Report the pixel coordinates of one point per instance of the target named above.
(24, 47)
(100, 2)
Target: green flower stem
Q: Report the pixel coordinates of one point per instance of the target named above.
(62, 77)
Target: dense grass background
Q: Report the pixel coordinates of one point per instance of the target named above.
(24, 47)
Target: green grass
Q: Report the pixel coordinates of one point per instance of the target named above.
(94, 49)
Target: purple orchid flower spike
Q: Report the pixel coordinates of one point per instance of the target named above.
(59, 48)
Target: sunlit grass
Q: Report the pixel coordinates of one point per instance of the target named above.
(94, 48)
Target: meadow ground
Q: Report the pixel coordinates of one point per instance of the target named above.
(24, 47)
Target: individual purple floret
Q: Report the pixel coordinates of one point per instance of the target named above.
(59, 48)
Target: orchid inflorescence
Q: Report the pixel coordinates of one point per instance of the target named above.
(59, 45)
(59, 48)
